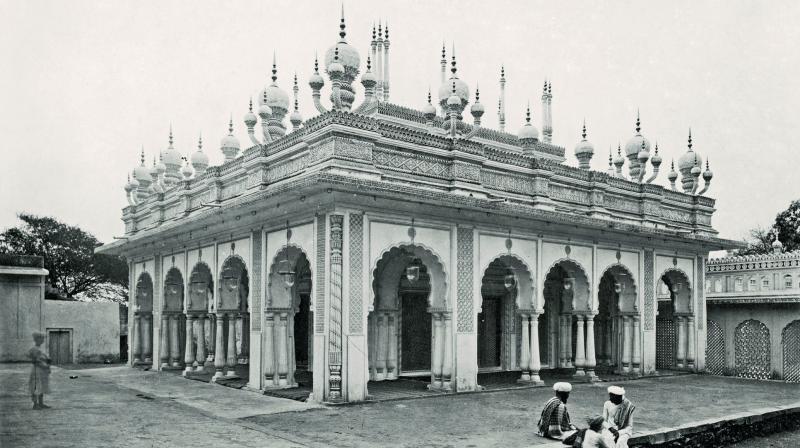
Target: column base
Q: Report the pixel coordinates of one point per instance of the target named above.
(591, 377)
(148, 360)
(186, 372)
(176, 364)
(231, 373)
(217, 375)
(532, 380)
(579, 373)
(200, 369)
(436, 385)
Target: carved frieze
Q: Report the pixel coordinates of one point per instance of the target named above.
(466, 171)
(618, 203)
(507, 182)
(418, 164)
(353, 149)
(286, 168)
(568, 194)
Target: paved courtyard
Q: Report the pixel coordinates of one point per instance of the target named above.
(157, 409)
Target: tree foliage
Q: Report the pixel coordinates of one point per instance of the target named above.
(68, 253)
(785, 228)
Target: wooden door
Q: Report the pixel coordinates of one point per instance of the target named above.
(60, 347)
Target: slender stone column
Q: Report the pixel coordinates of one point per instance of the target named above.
(436, 366)
(535, 362)
(691, 352)
(269, 350)
(231, 360)
(568, 345)
(164, 341)
(211, 331)
(608, 335)
(580, 348)
(525, 351)
(283, 358)
(188, 355)
(562, 342)
(174, 347)
(219, 349)
(591, 362)
(380, 355)
(201, 344)
(246, 338)
(637, 350)
(391, 360)
(148, 338)
(372, 344)
(447, 363)
(136, 339)
(681, 355)
(626, 344)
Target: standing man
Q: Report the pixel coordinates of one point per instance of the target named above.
(618, 415)
(554, 422)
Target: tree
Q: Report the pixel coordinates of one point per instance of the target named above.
(68, 252)
(785, 228)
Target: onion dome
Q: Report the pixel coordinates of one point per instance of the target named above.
(132, 182)
(643, 156)
(264, 111)
(634, 147)
(656, 159)
(777, 246)
(707, 174)
(696, 169)
(160, 167)
(199, 158)
(229, 145)
(348, 59)
(250, 118)
(584, 151)
(528, 134)
(128, 186)
(274, 96)
(335, 68)
(316, 82)
(368, 79)
(172, 159)
(619, 161)
(141, 173)
(186, 171)
(155, 185)
(610, 170)
(461, 88)
(429, 110)
(687, 162)
(477, 108)
(673, 175)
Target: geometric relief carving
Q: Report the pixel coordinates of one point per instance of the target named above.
(649, 295)
(506, 182)
(701, 302)
(715, 349)
(356, 264)
(319, 308)
(568, 194)
(464, 251)
(791, 352)
(752, 350)
(666, 343)
(424, 165)
(256, 281)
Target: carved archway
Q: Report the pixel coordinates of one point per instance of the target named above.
(143, 320)
(233, 317)
(674, 321)
(752, 353)
(616, 320)
(566, 295)
(173, 290)
(790, 343)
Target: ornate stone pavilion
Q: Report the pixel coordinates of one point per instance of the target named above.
(375, 241)
(754, 315)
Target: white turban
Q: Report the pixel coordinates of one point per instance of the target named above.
(616, 390)
(562, 387)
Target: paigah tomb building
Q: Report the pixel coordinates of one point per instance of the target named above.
(375, 241)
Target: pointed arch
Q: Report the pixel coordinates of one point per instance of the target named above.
(201, 287)
(393, 260)
(173, 290)
(526, 285)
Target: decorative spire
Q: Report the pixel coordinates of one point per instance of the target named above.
(373, 32)
(200, 138)
(386, 32)
(477, 93)
(502, 73)
(429, 95)
(380, 30)
(690, 139)
(341, 25)
(550, 89)
(444, 53)
(638, 122)
(251, 104)
(142, 156)
(316, 63)
(170, 135)
(369, 63)
(274, 69)
(295, 89)
(230, 128)
(584, 129)
(453, 64)
(528, 114)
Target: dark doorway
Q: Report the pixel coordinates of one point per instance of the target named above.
(490, 327)
(416, 333)
(301, 319)
(60, 347)
(666, 338)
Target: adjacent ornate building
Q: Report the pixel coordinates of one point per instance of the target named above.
(754, 315)
(375, 241)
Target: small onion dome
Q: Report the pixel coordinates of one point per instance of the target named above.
(295, 118)
(273, 95)
(128, 186)
(777, 246)
(634, 145)
(348, 58)
(141, 172)
(368, 79)
(160, 167)
(133, 183)
(644, 154)
(656, 159)
(316, 82)
(250, 117)
(673, 175)
(199, 160)
(429, 110)
(690, 158)
(584, 147)
(171, 156)
(229, 141)
(264, 111)
(477, 108)
(619, 160)
(707, 174)
(528, 133)
(696, 169)
(445, 90)
(335, 68)
(186, 171)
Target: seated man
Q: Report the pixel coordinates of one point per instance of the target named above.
(554, 422)
(618, 415)
(596, 436)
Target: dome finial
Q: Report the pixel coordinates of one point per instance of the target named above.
(336, 54)
(444, 52)
(690, 139)
(170, 135)
(200, 139)
(502, 72)
(477, 92)
(142, 156)
(369, 63)
(341, 25)
(584, 129)
(373, 33)
(638, 122)
(316, 63)
(230, 126)
(528, 113)
(453, 68)
(429, 94)
(274, 68)
(386, 32)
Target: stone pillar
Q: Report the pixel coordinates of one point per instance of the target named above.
(136, 339)
(436, 364)
(147, 334)
(691, 354)
(447, 363)
(562, 342)
(335, 365)
(591, 361)
(231, 361)
(626, 344)
(174, 347)
(201, 344)
(609, 326)
(535, 362)
(380, 354)
(219, 348)
(681, 355)
(391, 359)
(637, 349)
(164, 341)
(211, 331)
(372, 344)
(580, 348)
(269, 350)
(568, 346)
(188, 355)
(245, 338)
(283, 356)
(525, 351)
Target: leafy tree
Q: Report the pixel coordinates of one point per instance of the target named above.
(74, 268)
(785, 229)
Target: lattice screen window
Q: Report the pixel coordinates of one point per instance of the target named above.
(752, 350)
(666, 343)
(764, 283)
(787, 281)
(715, 349)
(752, 285)
(738, 284)
(790, 342)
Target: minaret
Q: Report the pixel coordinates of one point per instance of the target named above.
(610, 170)
(547, 110)
(316, 82)
(379, 61)
(477, 108)
(501, 113)
(386, 64)
(296, 119)
(250, 121)
(584, 151)
(374, 43)
(444, 64)
(619, 161)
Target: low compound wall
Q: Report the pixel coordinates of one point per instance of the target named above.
(93, 328)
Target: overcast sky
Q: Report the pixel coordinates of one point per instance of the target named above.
(86, 83)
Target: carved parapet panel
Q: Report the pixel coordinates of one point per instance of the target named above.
(285, 169)
(214, 190)
(352, 149)
(679, 216)
(651, 208)
(466, 171)
(320, 151)
(507, 182)
(233, 188)
(419, 164)
(567, 194)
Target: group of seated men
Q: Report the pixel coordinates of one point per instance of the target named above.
(611, 430)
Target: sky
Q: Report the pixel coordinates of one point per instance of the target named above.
(86, 84)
